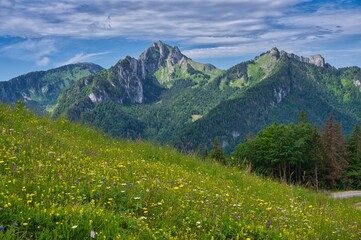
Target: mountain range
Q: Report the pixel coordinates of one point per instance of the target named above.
(166, 97)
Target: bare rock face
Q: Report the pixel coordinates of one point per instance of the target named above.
(125, 81)
(158, 55)
(130, 76)
(357, 84)
(275, 53)
(317, 60)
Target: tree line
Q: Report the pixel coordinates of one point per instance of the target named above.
(301, 154)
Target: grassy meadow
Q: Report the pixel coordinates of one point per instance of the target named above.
(59, 180)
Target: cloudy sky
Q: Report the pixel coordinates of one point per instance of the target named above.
(42, 34)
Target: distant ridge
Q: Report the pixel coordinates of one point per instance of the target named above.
(40, 90)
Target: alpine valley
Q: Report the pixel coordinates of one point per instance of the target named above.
(166, 97)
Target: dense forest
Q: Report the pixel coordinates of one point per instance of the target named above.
(301, 154)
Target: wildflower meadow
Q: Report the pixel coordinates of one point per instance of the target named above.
(60, 180)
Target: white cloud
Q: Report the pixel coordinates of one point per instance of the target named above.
(43, 62)
(174, 19)
(213, 28)
(33, 50)
(30, 48)
(82, 57)
(137, 18)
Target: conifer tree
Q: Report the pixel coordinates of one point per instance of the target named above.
(302, 117)
(217, 152)
(336, 152)
(316, 156)
(354, 157)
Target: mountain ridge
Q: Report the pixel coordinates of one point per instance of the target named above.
(167, 97)
(135, 81)
(265, 103)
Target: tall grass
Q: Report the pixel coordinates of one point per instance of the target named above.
(64, 181)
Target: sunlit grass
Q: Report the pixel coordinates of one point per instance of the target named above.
(64, 181)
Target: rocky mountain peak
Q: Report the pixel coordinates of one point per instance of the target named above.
(160, 54)
(275, 53)
(316, 60)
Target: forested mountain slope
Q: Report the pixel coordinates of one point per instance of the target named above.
(40, 90)
(279, 97)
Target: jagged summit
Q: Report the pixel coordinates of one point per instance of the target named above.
(160, 54)
(135, 81)
(316, 59)
(162, 51)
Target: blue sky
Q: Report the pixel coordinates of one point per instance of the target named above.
(41, 34)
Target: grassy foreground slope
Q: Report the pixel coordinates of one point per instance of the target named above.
(64, 181)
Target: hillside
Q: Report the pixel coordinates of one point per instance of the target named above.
(40, 90)
(64, 181)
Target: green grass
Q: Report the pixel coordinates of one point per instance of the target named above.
(65, 181)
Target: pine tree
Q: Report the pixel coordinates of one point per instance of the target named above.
(316, 156)
(217, 152)
(336, 154)
(354, 157)
(302, 117)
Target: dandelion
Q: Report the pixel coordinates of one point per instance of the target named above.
(92, 234)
